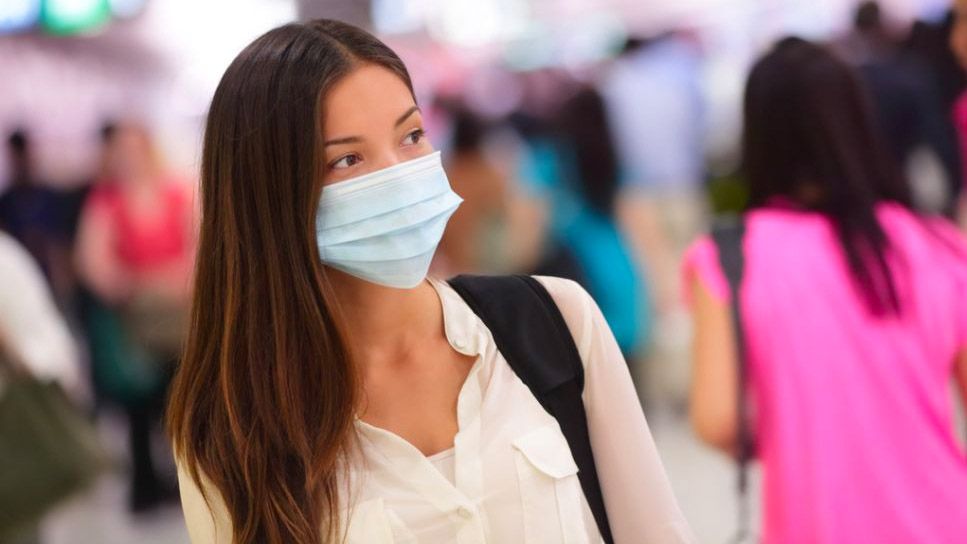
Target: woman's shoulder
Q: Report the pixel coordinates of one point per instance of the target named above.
(206, 515)
(578, 308)
(564, 291)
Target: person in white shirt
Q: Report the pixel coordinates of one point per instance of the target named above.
(330, 391)
(33, 334)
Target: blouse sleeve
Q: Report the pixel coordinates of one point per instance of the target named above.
(639, 499)
(207, 522)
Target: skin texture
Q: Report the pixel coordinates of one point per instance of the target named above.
(411, 376)
(714, 385)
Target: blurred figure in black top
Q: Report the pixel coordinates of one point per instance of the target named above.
(31, 212)
(908, 105)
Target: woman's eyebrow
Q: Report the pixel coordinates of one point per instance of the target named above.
(346, 140)
(406, 115)
(356, 139)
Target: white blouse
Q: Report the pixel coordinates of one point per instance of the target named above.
(510, 476)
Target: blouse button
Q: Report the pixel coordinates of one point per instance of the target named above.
(459, 343)
(465, 512)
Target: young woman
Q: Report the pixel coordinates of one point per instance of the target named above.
(134, 255)
(329, 391)
(855, 317)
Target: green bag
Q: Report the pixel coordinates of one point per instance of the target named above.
(48, 450)
(124, 370)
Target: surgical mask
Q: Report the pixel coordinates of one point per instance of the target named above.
(384, 227)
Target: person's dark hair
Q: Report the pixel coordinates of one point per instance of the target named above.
(633, 44)
(468, 130)
(18, 142)
(107, 131)
(587, 137)
(18, 149)
(868, 17)
(809, 137)
(264, 399)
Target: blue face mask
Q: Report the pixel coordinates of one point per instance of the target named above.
(384, 227)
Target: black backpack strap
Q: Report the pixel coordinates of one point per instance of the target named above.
(533, 337)
(728, 236)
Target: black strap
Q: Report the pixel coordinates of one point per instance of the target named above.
(728, 236)
(533, 337)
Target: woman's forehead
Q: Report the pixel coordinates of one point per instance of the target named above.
(370, 94)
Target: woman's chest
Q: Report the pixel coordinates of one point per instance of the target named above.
(511, 478)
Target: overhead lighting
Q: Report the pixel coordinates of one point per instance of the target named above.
(74, 16)
(126, 9)
(17, 15)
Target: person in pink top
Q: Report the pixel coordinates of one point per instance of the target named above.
(135, 254)
(854, 310)
(137, 231)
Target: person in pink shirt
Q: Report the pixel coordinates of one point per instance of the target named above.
(854, 312)
(135, 254)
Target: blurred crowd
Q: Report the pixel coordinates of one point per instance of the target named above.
(601, 174)
(96, 286)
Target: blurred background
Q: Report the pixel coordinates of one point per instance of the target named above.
(591, 139)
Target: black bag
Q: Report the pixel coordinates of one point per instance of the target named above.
(728, 238)
(533, 337)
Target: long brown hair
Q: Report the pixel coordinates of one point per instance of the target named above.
(264, 400)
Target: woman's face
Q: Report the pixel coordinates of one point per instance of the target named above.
(128, 154)
(370, 122)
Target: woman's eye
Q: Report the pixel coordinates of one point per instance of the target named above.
(414, 137)
(345, 162)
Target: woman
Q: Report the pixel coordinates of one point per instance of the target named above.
(34, 337)
(135, 250)
(587, 224)
(474, 241)
(137, 229)
(855, 317)
(329, 391)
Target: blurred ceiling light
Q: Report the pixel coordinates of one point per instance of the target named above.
(476, 23)
(74, 16)
(532, 51)
(397, 16)
(126, 9)
(17, 15)
(598, 35)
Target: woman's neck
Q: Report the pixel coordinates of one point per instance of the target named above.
(386, 322)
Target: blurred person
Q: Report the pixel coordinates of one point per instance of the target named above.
(330, 391)
(33, 335)
(32, 330)
(474, 240)
(31, 212)
(908, 106)
(656, 109)
(138, 224)
(854, 316)
(584, 221)
(930, 42)
(135, 252)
